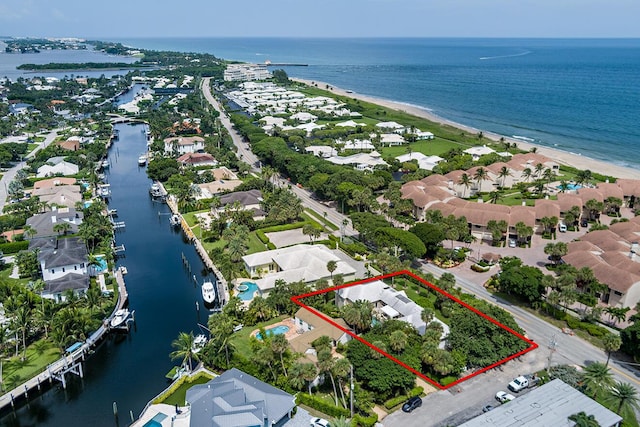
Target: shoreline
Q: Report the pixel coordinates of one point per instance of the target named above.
(562, 157)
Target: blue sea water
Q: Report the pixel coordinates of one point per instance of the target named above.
(578, 95)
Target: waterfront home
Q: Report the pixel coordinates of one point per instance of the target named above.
(183, 144)
(391, 139)
(236, 398)
(53, 182)
(311, 327)
(69, 144)
(478, 151)
(197, 159)
(44, 224)
(388, 303)
(61, 196)
(294, 263)
(350, 124)
(57, 166)
(390, 126)
(250, 200)
(220, 185)
(63, 263)
(422, 135)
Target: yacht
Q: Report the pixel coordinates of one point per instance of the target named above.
(175, 220)
(208, 292)
(142, 160)
(155, 190)
(199, 342)
(120, 317)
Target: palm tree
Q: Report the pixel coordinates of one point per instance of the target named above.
(326, 361)
(611, 343)
(597, 379)
(523, 231)
(494, 196)
(538, 170)
(504, 173)
(184, 348)
(22, 319)
(280, 345)
(583, 420)
(398, 341)
(624, 398)
(311, 231)
(359, 315)
(465, 181)
(341, 370)
(301, 374)
(29, 231)
(548, 175)
(331, 267)
(62, 227)
(479, 176)
(527, 173)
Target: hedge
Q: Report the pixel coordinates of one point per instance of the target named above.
(284, 227)
(14, 247)
(590, 328)
(392, 403)
(322, 405)
(360, 421)
(263, 238)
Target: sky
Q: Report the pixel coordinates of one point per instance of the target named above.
(325, 18)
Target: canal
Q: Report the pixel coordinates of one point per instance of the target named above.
(129, 369)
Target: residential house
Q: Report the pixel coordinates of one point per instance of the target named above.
(57, 166)
(53, 182)
(235, 398)
(64, 265)
(294, 263)
(391, 139)
(479, 151)
(360, 161)
(44, 224)
(311, 327)
(357, 144)
(324, 151)
(197, 159)
(250, 200)
(424, 162)
(61, 196)
(183, 144)
(390, 126)
(388, 303)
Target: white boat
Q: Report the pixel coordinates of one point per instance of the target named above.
(208, 292)
(199, 342)
(175, 220)
(155, 190)
(142, 160)
(105, 164)
(119, 317)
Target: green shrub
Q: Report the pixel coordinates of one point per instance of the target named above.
(271, 246)
(392, 403)
(14, 247)
(284, 227)
(321, 405)
(263, 238)
(445, 381)
(361, 421)
(479, 268)
(572, 322)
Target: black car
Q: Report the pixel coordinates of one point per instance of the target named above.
(584, 223)
(487, 408)
(412, 404)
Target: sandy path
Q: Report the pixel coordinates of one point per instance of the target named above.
(562, 157)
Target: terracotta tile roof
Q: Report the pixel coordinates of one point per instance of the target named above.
(582, 246)
(587, 194)
(630, 187)
(547, 208)
(629, 231)
(567, 200)
(524, 214)
(608, 189)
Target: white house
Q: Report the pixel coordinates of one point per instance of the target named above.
(183, 144)
(393, 126)
(424, 162)
(357, 144)
(424, 135)
(60, 167)
(303, 117)
(390, 139)
(388, 303)
(478, 151)
(321, 150)
(360, 161)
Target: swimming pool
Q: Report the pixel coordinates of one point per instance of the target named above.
(247, 291)
(156, 421)
(101, 264)
(277, 330)
(570, 187)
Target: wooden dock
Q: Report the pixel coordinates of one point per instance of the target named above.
(70, 362)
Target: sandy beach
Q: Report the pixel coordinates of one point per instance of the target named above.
(562, 157)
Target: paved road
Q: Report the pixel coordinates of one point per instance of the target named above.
(456, 406)
(10, 174)
(244, 152)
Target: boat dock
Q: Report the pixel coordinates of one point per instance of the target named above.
(71, 361)
(222, 288)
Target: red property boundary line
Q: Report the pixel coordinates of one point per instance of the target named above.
(532, 345)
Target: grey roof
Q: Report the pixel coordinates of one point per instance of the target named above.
(246, 198)
(69, 281)
(43, 223)
(549, 405)
(60, 252)
(237, 399)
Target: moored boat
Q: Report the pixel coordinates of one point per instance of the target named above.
(142, 160)
(120, 317)
(199, 342)
(175, 220)
(208, 292)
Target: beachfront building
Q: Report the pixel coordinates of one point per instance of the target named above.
(183, 144)
(235, 398)
(388, 303)
(424, 162)
(246, 72)
(479, 151)
(294, 263)
(63, 263)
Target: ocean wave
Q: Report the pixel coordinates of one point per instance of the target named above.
(526, 52)
(524, 138)
(408, 104)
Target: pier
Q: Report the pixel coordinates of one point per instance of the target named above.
(71, 361)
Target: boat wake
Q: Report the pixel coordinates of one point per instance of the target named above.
(526, 52)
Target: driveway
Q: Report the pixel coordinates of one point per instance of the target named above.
(290, 237)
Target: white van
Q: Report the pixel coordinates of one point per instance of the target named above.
(562, 228)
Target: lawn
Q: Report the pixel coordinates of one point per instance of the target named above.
(433, 147)
(242, 338)
(255, 245)
(39, 354)
(315, 215)
(178, 396)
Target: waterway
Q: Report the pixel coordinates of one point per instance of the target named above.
(129, 369)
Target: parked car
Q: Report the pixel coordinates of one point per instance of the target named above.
(411, 404)
(522, 382)
(562, 228)
(512, 243)
(584, 223)
(504, 397)
(319, 422)
(487, 408)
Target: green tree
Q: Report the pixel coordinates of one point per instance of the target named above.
(624, 399)
(556, 251)
(331, 267)
(581, 419)
(280, 346)
(311, 231)
(184, 348)
(358, 315)
(504, 173)
(465, 181)
(398, 341)
(597, 380)
(611, 342)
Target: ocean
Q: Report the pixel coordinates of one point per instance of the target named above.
(577, 95)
